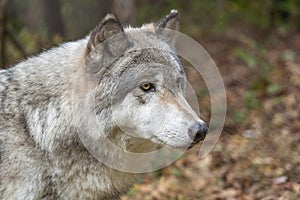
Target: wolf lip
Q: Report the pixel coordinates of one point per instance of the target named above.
(196, 142)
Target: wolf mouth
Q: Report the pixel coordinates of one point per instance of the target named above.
(196, 142)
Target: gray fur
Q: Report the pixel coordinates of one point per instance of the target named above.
(41, 155)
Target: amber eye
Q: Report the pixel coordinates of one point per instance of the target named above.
(147, 87)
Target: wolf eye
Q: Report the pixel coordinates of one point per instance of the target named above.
(147, 87)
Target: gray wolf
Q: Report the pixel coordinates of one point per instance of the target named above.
(41, 153)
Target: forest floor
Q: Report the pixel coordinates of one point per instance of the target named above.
(258, 153)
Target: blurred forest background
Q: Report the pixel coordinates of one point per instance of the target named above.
(256, 46)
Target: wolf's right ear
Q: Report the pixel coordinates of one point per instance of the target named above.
(107, 27)
(107, 38)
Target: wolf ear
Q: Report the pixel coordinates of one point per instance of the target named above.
(171, 22)
(107, 27)
(108, 39)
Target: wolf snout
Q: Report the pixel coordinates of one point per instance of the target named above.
(198, 131)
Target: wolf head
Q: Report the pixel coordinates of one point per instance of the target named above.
(140, 83)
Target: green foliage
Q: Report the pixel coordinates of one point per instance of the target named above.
(273, 89)
(180, 197)
(202, 93)
(132, 191)
(251, 100)
(278, 100)
(158, 173)
(247, 58)
(251, 12)
(239, 116)
(176, 172)
(216, 16)
(254, 58)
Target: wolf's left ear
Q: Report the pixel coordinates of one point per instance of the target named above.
(171, 22)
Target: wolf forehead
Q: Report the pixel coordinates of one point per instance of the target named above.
(152, 57)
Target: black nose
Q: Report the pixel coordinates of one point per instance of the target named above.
(198, 131)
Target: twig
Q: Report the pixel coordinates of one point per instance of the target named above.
(12, 36)
(3, 5)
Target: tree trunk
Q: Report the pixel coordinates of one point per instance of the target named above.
(3, 5)
(53, 17)
(124, 10)
(85, 15)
